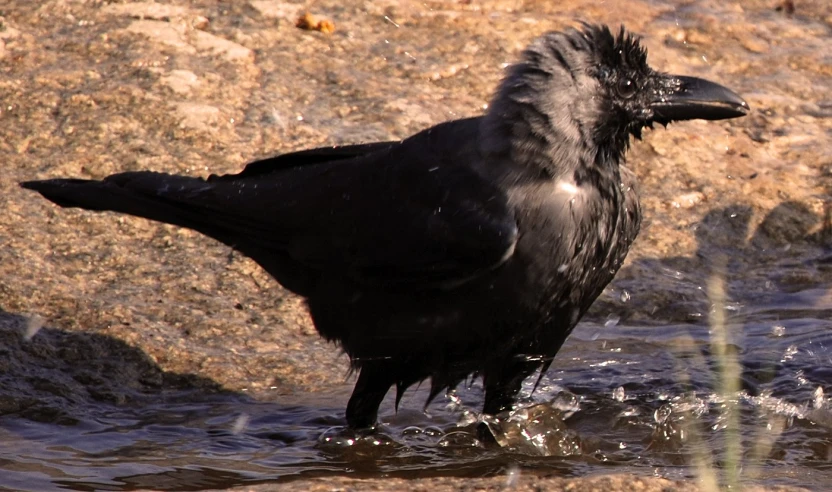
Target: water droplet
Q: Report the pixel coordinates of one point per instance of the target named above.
(662, 413)
(566, 402)
(619, 394)
(512, 476)
(630, 412)
(433, 431)
(240, 424)
(33, 325)
(789, 353)
(411, 431)
(459, 439)
(455, 399)
(801, 377)
(378, 440)
(625, 295)
(733, 306)
(337, 437)
(819, 397)
(778, 330)
(467, 417)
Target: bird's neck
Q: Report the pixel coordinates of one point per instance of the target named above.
(536, 147)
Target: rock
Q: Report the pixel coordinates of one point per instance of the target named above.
(134, 310)
(165, 33)
(688, 200)
(147, 10)
(182, 38)
(278, 10)
(181, 81)
(198, 116)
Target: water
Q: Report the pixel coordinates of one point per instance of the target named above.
(635, 388)
(626, 398)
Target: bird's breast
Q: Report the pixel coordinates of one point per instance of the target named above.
(573, 238)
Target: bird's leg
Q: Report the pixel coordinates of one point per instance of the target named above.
(373, 383)
(502, 383)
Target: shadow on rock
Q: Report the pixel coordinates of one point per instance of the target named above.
(48, 375)
(787, 251)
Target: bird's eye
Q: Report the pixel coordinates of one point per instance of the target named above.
(626, 87)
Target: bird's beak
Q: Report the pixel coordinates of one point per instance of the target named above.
(689, 98)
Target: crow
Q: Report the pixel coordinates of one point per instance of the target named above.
(470, 249)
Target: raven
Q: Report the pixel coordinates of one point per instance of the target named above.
(470, 248)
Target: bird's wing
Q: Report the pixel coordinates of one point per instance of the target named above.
(410, 213)
(308, 157)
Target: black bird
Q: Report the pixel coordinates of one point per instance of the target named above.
(470, 248)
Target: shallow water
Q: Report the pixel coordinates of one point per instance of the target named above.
(618, 399)
(638, 396)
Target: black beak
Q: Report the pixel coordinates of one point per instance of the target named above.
(689, 98)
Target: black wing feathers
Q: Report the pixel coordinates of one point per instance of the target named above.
(380, 214)
(306, 157)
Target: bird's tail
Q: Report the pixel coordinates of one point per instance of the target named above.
(150, 195)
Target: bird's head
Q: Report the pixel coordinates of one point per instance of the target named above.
(591, 89)
(633, 95)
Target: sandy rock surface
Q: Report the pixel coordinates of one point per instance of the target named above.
(516, 483)
(134, 309)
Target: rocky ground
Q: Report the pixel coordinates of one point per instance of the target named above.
(134, 309)
(519, 483)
